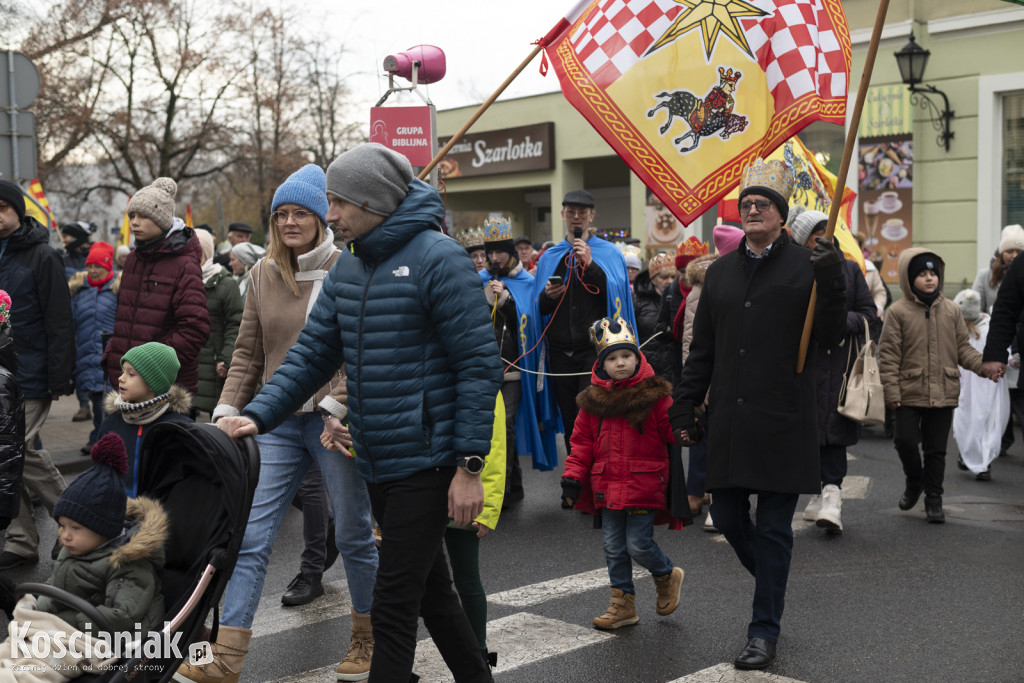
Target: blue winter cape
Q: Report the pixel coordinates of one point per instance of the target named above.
(618, 295)
(535, 433)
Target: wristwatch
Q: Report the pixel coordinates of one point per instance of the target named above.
(473, 464)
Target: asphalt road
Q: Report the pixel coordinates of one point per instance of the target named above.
(891, 599)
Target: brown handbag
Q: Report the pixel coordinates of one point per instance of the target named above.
(861, 398)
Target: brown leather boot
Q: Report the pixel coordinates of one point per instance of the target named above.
(356, 665)
(620, 612)
(228, 656)
(668, 587)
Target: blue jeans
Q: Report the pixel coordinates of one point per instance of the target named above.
(765, 549)
(630, 534)
(285, 455)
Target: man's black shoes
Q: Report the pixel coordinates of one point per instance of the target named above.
(758, 654)
(303, 589)
(910, 498)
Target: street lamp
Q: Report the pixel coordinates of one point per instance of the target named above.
(912, 60)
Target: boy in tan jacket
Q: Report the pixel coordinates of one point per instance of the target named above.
(924, 338)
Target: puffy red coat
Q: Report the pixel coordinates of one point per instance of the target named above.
(619, 449)
(162, 299)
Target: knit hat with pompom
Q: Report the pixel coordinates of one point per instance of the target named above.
(156, 202)
(97, 499)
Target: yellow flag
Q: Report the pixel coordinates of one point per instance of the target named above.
(44, 216)
(126, 230)
(188, 216)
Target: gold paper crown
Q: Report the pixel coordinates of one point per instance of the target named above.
(602, 335)
(497, 230)
(661, 262)
(628, 249)
(772, 174)
(473, 238)
(693, 247)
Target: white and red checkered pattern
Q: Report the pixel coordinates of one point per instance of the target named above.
(796, 45)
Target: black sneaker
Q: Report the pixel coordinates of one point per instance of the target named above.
(933, 509)
(984, 476)
(961, 464)
(909, 498)
(9, 560)
(303, 589)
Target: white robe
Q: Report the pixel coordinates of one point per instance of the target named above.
(980, 419)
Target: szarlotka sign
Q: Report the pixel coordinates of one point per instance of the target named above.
(406, 130)
(511, 150)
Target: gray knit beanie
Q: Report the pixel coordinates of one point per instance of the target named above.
(802, 222)
(156, 202)
(372, 177)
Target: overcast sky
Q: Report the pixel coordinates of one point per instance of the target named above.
(483, 40)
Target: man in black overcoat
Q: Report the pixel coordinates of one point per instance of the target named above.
(761, 418)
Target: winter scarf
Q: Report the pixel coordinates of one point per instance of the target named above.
(144, 412)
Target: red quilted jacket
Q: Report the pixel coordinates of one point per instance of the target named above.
(619, 443)
(162, 299)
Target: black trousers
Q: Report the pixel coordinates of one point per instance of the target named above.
(833, 465)
(567, 388)
(312, 499)
(1016, 410)
(413, 581)
(511, 392)
(930, 428)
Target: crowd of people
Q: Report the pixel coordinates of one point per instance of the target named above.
(399, 379)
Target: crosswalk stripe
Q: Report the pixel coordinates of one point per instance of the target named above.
(271, 617)
(855, 488)
(726, 673)
(536, 593)
(519, 639)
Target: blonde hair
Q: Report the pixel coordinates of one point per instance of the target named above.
(283, 256)
(972, 329)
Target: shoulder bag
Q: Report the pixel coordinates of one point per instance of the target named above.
(861, 398)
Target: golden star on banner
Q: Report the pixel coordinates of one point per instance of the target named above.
(711, 17)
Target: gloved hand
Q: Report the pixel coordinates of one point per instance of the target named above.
(825, 254)
(571, 490)
(691, 435)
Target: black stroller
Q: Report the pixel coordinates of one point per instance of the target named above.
(205, 481)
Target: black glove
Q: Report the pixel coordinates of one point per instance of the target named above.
(825, 254)
(571, 490)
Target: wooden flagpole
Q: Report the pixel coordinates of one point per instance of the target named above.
(477, 114)
(844, 169)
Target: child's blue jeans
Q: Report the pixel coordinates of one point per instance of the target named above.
(630, 534)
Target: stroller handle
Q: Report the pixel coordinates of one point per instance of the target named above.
(73, 601)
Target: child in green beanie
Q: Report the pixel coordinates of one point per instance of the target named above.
(146, 395)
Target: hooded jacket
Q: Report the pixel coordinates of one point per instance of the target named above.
(406, 313)
(94, 310)
(120, 578)
(12, 429)
(619, 443)
(647, 307)
(922, 345)
(33, 274)
(162, 299)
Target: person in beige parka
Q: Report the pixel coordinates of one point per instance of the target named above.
(924, 338)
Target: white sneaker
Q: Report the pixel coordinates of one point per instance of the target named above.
(830, 517)
(813, 508)
(709, 524)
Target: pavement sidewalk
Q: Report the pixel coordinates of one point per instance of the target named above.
(64, 438)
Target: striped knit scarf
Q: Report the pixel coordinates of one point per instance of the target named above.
(144, 412)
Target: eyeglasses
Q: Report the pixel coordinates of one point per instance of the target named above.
(282, 217)
(761, 204)
(576, 213)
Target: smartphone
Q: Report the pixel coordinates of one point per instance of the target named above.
(555, 280)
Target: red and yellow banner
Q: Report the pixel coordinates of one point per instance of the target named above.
(188, 216)
(35, 191)
(688, 92)
(126, 231)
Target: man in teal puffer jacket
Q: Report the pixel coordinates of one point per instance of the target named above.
(405, 311)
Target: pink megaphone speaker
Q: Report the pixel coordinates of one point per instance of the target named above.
(430, 58)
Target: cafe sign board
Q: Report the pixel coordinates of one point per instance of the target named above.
(510, 150)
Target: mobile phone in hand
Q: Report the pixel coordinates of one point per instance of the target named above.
(555, 280)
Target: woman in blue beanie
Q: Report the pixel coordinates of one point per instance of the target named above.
(282, 289)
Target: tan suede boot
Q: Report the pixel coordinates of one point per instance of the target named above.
(356, 665)
(620, 612)
(668, 587)
(228, 656)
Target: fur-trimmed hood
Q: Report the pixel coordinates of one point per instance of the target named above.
(78, 282)
(180, 400)
(146, 539)
(697, 268)
(631, 399)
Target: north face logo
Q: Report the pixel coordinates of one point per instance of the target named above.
(401, 271)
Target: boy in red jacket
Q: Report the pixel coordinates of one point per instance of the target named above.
(618, 468)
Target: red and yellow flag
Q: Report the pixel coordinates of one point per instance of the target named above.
(126, 230)
(44, 216)
(688, 92)
(188, 216)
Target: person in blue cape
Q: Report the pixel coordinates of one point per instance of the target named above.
(509, 290)
(578, 281)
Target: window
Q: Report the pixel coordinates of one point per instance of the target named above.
(1013, 159)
